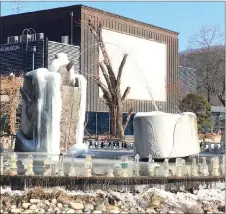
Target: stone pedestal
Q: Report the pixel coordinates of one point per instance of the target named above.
(69, 116)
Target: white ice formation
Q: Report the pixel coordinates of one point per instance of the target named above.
(49, 108)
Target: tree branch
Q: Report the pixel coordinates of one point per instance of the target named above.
(104, 89)
(107, 62)
(222, 100)
(125, 94)
(127, 118)
(121, 69)
(106, 77)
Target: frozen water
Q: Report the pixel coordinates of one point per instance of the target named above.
(49, 110)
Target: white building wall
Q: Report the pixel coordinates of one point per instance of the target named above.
(145, 69)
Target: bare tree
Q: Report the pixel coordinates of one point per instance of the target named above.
(207, 55)
(111, 91)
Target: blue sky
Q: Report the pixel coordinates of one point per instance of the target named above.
(183, 17)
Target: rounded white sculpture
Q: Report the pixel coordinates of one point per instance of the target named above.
(165, 135)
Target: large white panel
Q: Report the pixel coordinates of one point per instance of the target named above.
(145, 69)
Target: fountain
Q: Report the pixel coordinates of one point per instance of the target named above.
(53, 110)
(47, 129)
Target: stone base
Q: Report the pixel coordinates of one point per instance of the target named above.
(69, 116)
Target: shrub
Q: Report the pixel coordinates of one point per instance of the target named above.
(199, 105)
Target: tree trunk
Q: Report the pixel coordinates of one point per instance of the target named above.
(120, 128)
(116, 122)
(208, 95)
(113, 125)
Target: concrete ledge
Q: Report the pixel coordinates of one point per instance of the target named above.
(116, 183)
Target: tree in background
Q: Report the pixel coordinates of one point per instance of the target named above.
(10, 86)
(199, 105)
(206, 54)
(111, 91)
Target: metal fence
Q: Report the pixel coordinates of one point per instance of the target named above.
(98, 123)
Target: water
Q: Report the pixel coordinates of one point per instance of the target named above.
(140, 72)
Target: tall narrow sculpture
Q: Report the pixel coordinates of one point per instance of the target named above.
(53, 110)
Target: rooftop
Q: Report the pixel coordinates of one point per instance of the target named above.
(93, 9)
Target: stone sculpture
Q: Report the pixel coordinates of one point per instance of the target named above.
(53, 110)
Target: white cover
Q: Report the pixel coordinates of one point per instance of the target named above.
(165, 135)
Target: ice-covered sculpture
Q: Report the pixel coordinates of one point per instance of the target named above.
(46, 93)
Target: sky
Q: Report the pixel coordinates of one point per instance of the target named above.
(186, 18)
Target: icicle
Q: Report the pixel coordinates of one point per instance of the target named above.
(156, 171)
(161, 171)
(72, 167)
(194, 168)
(110, 172)
(13, 164)
(117, 168)
(184, 168)
(205, 171)
(47, 166)
(88, 166)
(2, 166)
(179, 167)
(215, 167)
(124, 166)
(223, 165)
(166, 168)
(151, 166)
(29, 166)
(200, 167)
(137, 166)
(61, 165)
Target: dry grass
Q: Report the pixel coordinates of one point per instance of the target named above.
(41, 193)
(10, 86)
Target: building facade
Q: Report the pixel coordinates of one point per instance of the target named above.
(73, 21)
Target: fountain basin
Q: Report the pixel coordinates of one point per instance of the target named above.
(165, 135)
